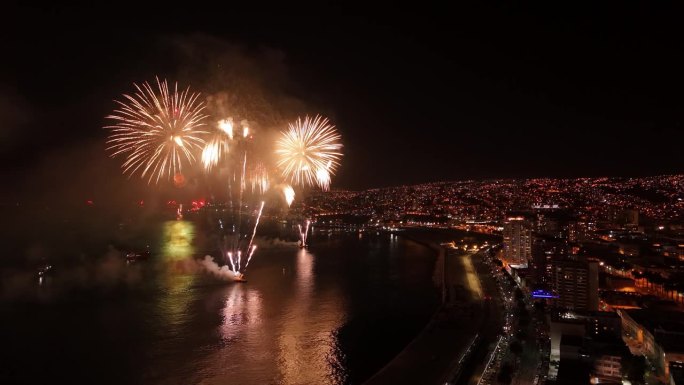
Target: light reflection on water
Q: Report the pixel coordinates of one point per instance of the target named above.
(296, 333)
(242, 312)
(177, 250)
(307, 346)
(330, 315)
(296, 322)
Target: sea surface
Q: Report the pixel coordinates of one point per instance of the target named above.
(334, 313)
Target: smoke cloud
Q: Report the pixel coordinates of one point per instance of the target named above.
(221, 272)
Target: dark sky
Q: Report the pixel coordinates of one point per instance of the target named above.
(422, 93)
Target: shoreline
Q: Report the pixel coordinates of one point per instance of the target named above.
(437, 353)
(439, 250)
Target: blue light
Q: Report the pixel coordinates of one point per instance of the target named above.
(543, 294)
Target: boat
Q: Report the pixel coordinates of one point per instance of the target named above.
(134, 256)
(44, 270)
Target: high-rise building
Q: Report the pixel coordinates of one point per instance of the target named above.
(629, 219)
(546, 249)
(551, 221)
(576, 284)
(581, 230)
(517, 240)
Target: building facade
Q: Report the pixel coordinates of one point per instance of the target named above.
(517, 240)
(576, 284)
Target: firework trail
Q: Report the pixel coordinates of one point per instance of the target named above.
(251, 248)
(157, 131)
(256, 224)
(258, 178)
(304, 234)
(309, 152)
(250, 256)
(230, 259)
(234, 155)
(236, 264)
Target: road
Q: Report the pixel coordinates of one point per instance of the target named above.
(488, 355)
(530, 365)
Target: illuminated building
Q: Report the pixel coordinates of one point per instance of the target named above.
(517, 240)
(607, 368)
(629, 219)
(656, 334)
(544, 250)
(576, 284)
(580, 230)
(551, 221)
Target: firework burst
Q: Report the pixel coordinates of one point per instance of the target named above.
(216, 147)
(158, 131)
(288, 194)
(309, 152)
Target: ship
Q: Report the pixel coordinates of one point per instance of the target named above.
(134, 256)
(44, 270)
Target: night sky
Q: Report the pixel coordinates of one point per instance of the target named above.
(419, 94)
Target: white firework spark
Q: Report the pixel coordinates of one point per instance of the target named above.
(157, 131)
(309, 152)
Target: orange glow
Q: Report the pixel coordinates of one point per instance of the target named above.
(179, 180)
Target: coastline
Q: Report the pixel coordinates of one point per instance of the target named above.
(439, 351)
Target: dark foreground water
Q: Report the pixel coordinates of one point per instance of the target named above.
(334, 314)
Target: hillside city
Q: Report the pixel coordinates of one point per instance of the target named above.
(598, 261)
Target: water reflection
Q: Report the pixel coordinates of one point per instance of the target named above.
(319, 316)
(304, 270)
(308, 352)
(175, 281)
(241, 313)
(174, 302)
(284, 326)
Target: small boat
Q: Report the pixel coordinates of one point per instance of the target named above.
(44, 270)
(134, 256)
(240, 278)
